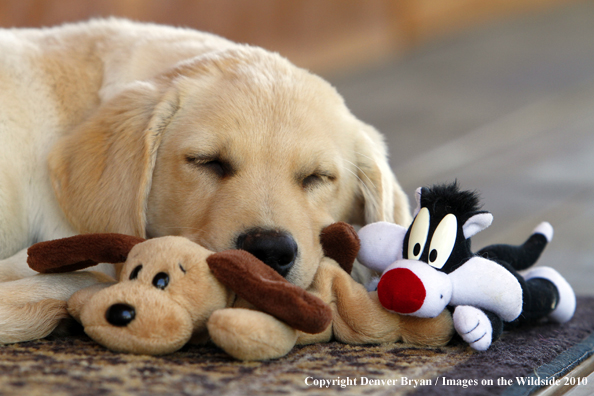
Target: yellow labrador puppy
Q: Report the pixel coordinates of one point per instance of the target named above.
(115, 126)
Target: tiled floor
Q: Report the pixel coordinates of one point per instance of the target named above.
(507, 109)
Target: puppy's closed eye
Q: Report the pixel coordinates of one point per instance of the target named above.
(211, 164)
(316, 179)
(311, 180)
(216, 167)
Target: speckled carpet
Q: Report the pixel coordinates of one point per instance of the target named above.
(75, 365)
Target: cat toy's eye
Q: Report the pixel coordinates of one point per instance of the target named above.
(418, 234)
(442, 242)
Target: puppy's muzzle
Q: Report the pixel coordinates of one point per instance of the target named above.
(275, 248)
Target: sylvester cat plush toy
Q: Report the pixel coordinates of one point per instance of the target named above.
(430, 266)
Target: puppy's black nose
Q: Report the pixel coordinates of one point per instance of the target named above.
(276, 249)
(120, 314)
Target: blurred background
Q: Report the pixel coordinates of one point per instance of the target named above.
(496, 94)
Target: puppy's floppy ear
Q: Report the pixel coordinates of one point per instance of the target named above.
(101, 171)
(80, 251)
(382, 196)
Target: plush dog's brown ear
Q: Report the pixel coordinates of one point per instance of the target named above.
(80, 251)
(268, 291)
(341, 243)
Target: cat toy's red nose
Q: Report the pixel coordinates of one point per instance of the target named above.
(400, 290)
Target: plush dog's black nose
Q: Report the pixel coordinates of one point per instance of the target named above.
(276, 249)
(120, 314)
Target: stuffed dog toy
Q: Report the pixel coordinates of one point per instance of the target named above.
(173, 291)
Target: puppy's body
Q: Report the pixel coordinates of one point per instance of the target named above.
(114, 126)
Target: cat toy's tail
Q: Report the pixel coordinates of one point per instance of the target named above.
(522, 256)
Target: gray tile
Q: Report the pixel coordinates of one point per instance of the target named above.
(507, 109)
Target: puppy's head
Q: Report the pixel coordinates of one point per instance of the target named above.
(237, 149)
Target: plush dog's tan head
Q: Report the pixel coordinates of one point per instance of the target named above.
(166, 294)
(170, 286)
(235, 149)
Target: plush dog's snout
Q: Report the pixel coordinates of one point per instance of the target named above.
(276, 249)
(120, 314)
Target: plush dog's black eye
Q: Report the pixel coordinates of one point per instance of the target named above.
(161, 280)
(135, 271)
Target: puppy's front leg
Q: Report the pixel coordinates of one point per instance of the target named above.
(32, 307)
(359, 318)
(15, 267)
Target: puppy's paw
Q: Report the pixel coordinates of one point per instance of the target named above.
(473, 326)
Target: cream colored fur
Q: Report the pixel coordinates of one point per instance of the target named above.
(113, 126)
